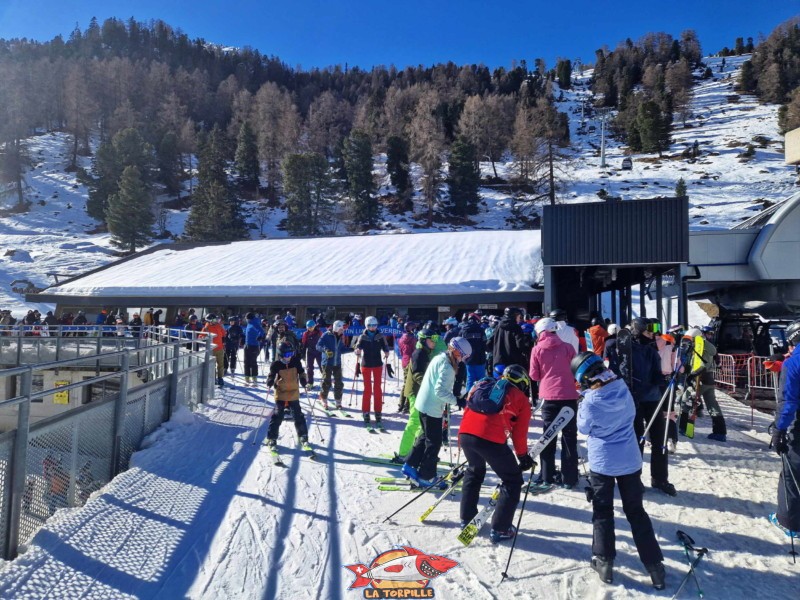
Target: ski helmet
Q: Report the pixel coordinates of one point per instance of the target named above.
(638, 326)
(462, 346)
(426, 333)
(474, 317)
(512, 312)
(793, 333)
(693, 332)
(451, 321)
(410, 326)
(527, 328)
(612, 329)
(310, 324)
(371, 322)
(338, 326)
(585, 366)
(545, 324)
(596, 321)
(233, 318)
(211, 318)
(498, 371)
(558, 314)
(519, 377)
(285, 351)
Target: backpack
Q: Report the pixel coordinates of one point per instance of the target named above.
(488, 396)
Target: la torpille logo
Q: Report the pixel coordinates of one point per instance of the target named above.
(404, 572)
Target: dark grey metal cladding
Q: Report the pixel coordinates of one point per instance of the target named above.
(643, 232)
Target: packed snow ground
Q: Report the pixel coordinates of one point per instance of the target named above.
(203, 513)
(56, 235)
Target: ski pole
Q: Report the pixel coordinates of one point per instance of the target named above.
(425, 490)
(314, 416)
(449, 433)
(519, 521)
(788, 467)
(263, 417)
(658, 408)
(688, 544)
(670, 407)
(353, 389)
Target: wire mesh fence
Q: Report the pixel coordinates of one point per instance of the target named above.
(133, 385)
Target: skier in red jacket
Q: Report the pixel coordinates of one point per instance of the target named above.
(483, 440)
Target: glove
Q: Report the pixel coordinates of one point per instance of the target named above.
(358, 369)
(778, 442)
(461, 401)
(526, 463)
(329, 353)
(390, 370)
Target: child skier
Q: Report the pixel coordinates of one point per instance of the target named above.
(284, 375)
(606, 416)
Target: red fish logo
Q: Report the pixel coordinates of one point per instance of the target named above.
(404, 567)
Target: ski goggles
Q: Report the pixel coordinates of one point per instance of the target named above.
(372, 326)
(288, 354)
(654, 328)
(520, 379)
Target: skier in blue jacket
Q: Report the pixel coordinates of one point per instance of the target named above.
(253, 334)
(331, 346)
(606, 416)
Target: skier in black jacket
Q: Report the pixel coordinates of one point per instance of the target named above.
(234, 339)
(474, 333)
(510, 345)
(645, 385)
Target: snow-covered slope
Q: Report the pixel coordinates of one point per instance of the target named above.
(204, 514)
(55, 235)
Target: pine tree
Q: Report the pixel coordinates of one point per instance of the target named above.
(215, 214)
(129, 213)
(246, 165)
(126, 149)
(464, 178)
(747, 78)
(653, 128)
(680, 188)
(358, 165)
(397, 165)
(169, 164)
(564, 74)
(307, 185)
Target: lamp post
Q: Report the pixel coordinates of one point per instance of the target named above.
(603, 114)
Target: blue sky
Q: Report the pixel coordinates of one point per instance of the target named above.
(317, 33)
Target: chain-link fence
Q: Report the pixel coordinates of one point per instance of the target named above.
(58, 461)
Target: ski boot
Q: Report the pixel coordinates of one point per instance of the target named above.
(339, 405)
(378, 424)
(604, 568)
(324, 402)
(220, 382)
(664, 486)
(718, 437)
(773, 518)
(657, 575)
(498, 536)
(672, 446)
(367, 424)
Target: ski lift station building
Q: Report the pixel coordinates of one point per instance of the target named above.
(583, 252)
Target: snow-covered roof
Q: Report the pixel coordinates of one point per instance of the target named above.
(465, 263)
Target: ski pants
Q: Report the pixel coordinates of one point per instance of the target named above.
(788, 512)
(334, 371)
(659, 468)
(569, 444)
(372, 388)
(501, 459)
(474, 373)
(412, 428)
(425, 453)
(630, 491)
(219, 357)
(708, 393)
(251, 361)
(231, 355)
(277, 418)
(311, 357)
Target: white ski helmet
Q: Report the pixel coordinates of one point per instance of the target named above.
(693, 332)
(371, 321)
(462, 345)
(545, 324)
(613, 328)
(338, 326)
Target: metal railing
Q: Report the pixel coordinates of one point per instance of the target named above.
(60, 460)
(759, 379)
(725, 372)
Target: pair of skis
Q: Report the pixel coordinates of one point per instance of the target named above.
(473, 528)
(277, 460)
